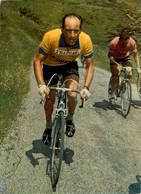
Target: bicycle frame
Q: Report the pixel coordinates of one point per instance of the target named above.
(60, 107)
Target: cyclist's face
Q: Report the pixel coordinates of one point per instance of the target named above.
(124, 42)
(71, 30)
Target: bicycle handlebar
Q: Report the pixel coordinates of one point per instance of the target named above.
(127, 69)
(65, 90)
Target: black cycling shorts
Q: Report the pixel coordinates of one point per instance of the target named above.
(64, 70)
(121, 60)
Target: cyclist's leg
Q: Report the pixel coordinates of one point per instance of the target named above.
(72, 96)
(114, 77)
(71, 74)
(128, 63)
(48, 72)
(48, 107)
(72, 102)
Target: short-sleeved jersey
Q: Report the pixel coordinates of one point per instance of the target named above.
(59, 53)
(118, 51)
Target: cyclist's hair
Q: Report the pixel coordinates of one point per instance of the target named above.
(124, 35)
(71, 15)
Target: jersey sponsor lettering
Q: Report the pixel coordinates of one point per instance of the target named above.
(62, 52)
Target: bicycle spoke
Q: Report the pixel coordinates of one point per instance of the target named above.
(126, 96)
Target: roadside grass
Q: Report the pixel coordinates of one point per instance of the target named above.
(23, 24)
(17, 51)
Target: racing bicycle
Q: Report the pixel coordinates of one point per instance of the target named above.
(58, 132)
(123, 92)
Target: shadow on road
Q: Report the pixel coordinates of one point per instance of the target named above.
(68, 156)
(136, 104)
(135, 188)
(105, 105)
(39, 147)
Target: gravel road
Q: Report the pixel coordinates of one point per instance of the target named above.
(104, 156)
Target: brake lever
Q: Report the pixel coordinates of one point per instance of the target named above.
(82, 105)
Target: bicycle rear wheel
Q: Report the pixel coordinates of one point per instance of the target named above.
(138, 83)
(126, 97)
(57, 145)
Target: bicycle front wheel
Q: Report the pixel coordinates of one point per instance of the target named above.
(57, 145)
(139, 85)
(109, 89)
(126, 97)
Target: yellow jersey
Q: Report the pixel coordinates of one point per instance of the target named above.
(53, 45)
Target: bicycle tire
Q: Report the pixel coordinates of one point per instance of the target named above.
(109, 89)
(126, 97)
(138, 83)
(57, 148)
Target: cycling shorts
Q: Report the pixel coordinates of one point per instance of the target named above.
(65, 70)
(120, 60)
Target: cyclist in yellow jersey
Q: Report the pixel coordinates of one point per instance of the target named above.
(58, 51)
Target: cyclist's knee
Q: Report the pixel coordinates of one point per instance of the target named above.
(128, 63)
(129, 75)
(72, 96)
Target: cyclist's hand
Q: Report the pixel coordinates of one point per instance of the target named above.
(85, 94)
(119, 67)
(43, 90)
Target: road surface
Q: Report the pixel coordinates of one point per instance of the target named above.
(104, 156)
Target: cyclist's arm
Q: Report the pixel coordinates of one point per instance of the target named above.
(112, 59)
(136, 57)
(38, 68)
(39, 74)
(89, 71)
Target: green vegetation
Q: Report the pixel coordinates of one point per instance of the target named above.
(23, 24)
